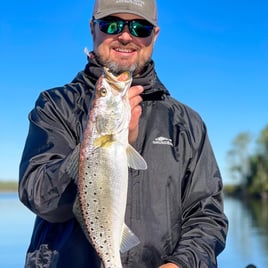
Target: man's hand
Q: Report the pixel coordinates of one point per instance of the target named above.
(134, 100)
(169, 265)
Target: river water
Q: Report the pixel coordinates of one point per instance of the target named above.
(247, 238)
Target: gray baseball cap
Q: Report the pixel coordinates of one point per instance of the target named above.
(143, 8)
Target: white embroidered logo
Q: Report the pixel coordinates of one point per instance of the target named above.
(139, 3)
(163, 141)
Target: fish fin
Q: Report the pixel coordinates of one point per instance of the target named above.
(104, 141)
(135, 160)
(129, 240)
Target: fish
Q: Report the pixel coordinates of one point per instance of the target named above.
(105, 156)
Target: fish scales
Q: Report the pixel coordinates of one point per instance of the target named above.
(103, 170)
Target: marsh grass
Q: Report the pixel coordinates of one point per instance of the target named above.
(8, 186)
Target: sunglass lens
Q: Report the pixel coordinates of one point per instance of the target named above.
(111, 27)
(140, 30)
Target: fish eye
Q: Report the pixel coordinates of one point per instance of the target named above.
(103, 92)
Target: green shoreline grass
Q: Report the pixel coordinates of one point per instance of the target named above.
(8, 186)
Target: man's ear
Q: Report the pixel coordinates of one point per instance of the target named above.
(92, 28)
(156, 33)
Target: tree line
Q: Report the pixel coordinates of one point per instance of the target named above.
(247, 162)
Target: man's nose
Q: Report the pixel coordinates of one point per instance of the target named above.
(125, 34)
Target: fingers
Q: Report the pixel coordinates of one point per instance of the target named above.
(134, 96)
(134, 100)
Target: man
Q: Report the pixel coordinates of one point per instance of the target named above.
(175, 207)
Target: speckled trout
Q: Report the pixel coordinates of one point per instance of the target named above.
(105, 156)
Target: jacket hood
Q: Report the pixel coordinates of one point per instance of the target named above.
(153, 88)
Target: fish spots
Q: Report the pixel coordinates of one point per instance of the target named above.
(103, 169)
(95, 195)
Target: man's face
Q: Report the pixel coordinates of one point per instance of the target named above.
(123, 51)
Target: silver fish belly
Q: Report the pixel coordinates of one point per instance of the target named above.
(103, 171)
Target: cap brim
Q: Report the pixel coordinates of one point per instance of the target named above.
(105, 13)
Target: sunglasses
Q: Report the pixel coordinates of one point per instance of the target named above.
(113, 25)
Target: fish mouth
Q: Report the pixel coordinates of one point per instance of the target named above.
(119, 82)
(122, 77)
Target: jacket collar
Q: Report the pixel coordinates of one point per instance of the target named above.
(153, 88)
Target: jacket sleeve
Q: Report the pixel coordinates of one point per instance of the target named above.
(49, 164)
(204, 224)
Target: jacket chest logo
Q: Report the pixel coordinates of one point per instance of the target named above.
(163, 141)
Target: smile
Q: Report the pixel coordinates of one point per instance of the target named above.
(122, 50)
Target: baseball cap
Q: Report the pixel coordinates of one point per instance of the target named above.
(143, 8)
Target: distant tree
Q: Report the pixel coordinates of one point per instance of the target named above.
(238, 158)
(263, 143)
(251, 170)
(259, 180)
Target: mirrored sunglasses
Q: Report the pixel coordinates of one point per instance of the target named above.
(113, 25)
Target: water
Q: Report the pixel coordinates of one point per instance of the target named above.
(247, 239)
(15, 231)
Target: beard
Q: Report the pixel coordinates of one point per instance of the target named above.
(117, 68)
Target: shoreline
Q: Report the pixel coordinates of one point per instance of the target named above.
(8, 186)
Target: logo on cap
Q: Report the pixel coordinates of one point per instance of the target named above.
(139, 3)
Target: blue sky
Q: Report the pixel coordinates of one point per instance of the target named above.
(211, 55)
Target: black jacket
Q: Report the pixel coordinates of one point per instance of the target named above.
(175, 207)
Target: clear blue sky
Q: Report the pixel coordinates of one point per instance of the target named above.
(212, 55)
